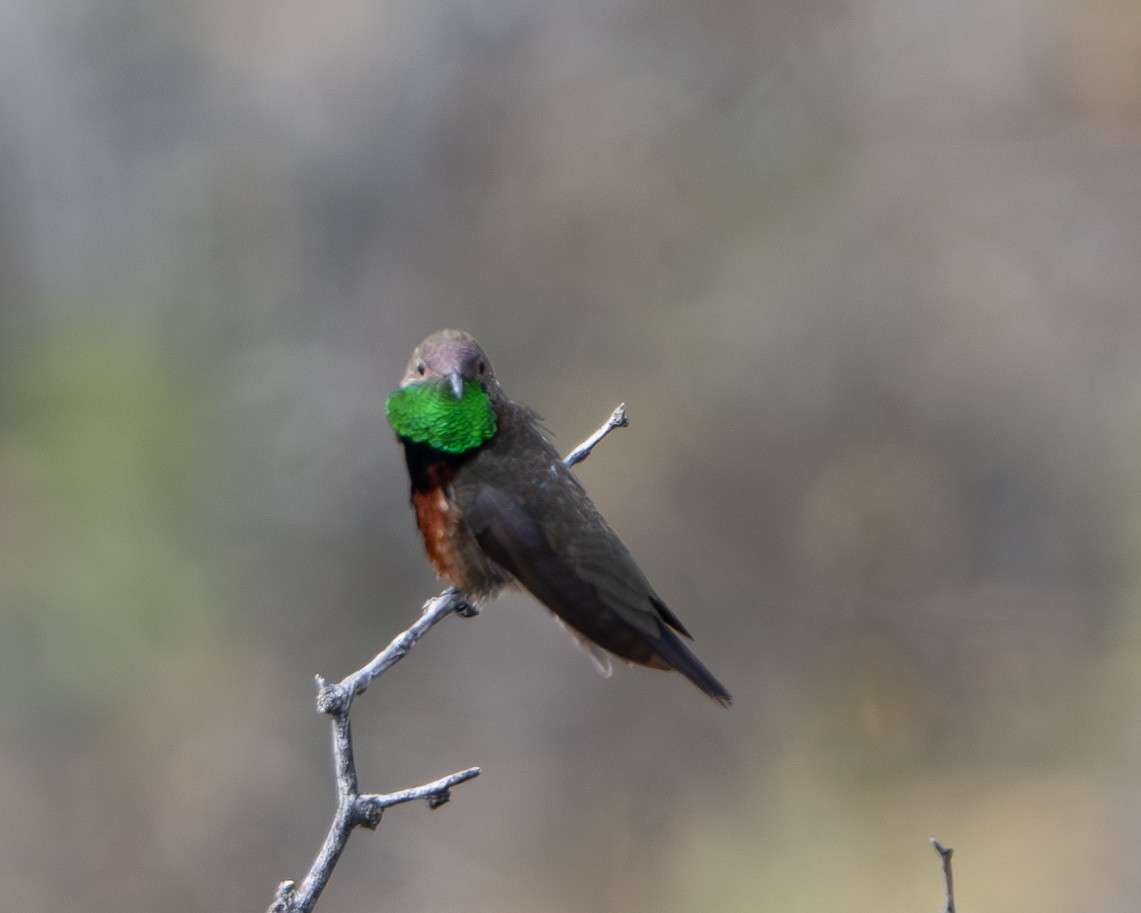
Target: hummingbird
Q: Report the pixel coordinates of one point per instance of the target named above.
(496, 506)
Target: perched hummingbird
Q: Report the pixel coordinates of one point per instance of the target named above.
(496, 505)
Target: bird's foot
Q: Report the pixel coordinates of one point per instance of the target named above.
(466, 610)
(461, 606)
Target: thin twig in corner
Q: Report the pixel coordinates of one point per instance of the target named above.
(356, 810)
(945, 854)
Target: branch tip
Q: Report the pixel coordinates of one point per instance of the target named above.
(283, 899)
(333, 699)
(582, 451)
(948, 880)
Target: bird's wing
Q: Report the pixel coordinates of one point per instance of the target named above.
(574, 583)
(589, 581)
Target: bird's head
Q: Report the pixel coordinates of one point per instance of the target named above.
(453, 357)
(448, 395)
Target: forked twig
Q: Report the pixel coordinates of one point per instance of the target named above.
(945, 854)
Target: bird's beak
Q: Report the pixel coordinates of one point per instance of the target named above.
(456, 381)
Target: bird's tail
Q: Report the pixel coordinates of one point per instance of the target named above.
(681, 658)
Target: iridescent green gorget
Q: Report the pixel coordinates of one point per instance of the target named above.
(428, 413)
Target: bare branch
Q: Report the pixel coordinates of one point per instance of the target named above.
(353, 809)
(336, 699)
(332, 697)
(437, 792)
(945, 854)
(582, 451)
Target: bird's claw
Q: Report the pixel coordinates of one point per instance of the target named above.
(466, 610)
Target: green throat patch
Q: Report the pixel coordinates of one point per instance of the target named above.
(428, 413)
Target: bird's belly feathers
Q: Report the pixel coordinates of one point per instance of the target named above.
(451, 547)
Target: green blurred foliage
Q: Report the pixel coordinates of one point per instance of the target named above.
(103, 444)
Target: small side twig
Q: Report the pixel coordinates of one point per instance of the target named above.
(945, 854)
(336, 699)
(582, 451)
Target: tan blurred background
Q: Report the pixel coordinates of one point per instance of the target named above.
(866, 274)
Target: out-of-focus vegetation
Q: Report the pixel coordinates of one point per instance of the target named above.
(866, 275)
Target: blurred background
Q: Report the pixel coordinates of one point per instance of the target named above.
(866, 274)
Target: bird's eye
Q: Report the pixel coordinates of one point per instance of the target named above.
(480, 368)
(420, 368)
